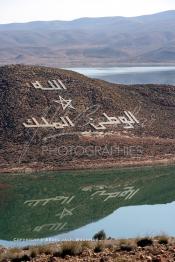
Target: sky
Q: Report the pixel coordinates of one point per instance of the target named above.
(46, 10)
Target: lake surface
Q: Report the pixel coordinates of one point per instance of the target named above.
(132, 75)
(47, 207)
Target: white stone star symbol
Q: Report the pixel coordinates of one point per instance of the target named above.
(64, 103)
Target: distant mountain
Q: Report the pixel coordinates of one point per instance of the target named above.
(81, 122)
(91, 41)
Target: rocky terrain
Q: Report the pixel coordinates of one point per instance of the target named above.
(146, 39)
(76, 124)
(156, 250)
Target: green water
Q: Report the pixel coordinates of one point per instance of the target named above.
(152, 185)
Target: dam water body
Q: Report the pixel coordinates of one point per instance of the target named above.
(70, 205)
(131, 75)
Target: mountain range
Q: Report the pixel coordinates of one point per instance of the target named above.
(106, 41)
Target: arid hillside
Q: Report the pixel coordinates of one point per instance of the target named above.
(57, 119)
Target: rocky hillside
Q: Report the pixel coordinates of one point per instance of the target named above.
(55, 119)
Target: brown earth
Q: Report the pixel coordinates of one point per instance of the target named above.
(103, 251)
(33, 149)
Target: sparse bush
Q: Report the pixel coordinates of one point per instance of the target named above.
(72, 248)
(125, 247)
(86, 245)
(145, 242)
(120, 259)
(56, 252)
(100, 235)
(163, 240)
(99, 247)
(123, 242)
(21, 258)
(26, 248)
(44, 250)
(14, 251)
(12, 254)
(15, 257)
(33, 252)
(109, 246)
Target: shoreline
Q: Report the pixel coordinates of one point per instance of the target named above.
(146, 249)
(88, 165)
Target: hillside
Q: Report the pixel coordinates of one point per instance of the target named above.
(76, 122)
(89, 42)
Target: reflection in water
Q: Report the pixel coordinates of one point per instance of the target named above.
(132, 75)
(78, 204)
(131, 221)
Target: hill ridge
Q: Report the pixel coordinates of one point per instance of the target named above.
(89, 42)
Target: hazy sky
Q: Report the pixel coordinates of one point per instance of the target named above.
(32, 10)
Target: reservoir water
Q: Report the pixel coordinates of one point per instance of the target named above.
(45, 207)
(132, 75)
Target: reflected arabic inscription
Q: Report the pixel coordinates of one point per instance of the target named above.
(127, 193)
(44, 202)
